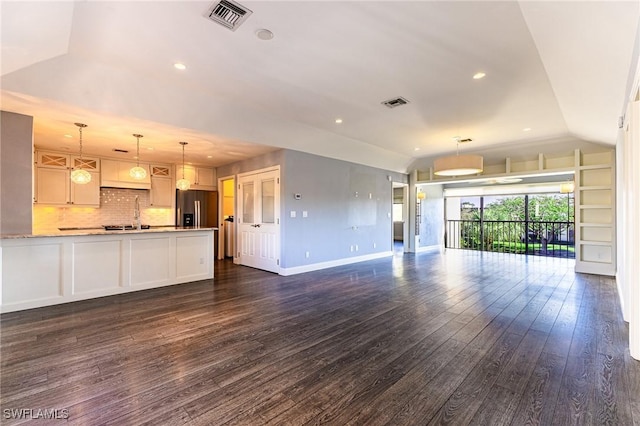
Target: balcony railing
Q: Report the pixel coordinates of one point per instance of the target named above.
(555, 239)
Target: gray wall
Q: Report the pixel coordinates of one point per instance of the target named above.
(270, 159)
(432, 217)
(16, 173)
(337, 219)
(348, 205)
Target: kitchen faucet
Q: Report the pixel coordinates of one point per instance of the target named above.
(136, 214)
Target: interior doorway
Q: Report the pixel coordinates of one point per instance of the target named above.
(400, 218)
(258, 221)
(226, 207)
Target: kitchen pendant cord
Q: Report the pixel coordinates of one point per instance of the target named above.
(138, 136)
(80, 127)
(183, 144)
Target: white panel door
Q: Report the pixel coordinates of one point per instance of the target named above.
(258, 220)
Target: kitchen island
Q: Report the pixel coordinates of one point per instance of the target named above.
(65, 266)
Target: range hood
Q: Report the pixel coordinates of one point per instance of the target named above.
(115, 174)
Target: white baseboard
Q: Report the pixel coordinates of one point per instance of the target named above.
(595, 268)
(330, 264)
(434, 248)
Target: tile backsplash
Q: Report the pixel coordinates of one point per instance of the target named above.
(116, 208)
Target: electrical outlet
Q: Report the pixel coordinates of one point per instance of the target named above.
(374, 245)
(356, 247)
(202, 260)
(351, 248)
(306, 254)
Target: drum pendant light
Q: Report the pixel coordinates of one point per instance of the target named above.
(458, 165)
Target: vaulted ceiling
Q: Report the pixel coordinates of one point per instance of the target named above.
(554, 71)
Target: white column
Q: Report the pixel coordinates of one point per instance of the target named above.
(622, 216)
(632, 228)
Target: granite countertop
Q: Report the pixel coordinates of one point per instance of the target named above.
(74, 232)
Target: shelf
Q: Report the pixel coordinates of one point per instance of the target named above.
(596, 206)
(595, 243)
(595, 167)
(595, 188)
(486, 177)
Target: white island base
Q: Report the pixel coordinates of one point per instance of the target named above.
(47, 270)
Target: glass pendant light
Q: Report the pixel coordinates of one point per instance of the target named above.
(138, 172)
(183, 184)
(78, 175)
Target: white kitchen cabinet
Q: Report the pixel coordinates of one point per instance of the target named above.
(53, 160)
(206, 177)
(202, 178)
(53, 185)
(163, 191)
(87, 194)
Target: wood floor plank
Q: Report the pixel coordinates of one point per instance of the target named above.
(541, 393)
(456, 338)
(576, 399)
(468, 397)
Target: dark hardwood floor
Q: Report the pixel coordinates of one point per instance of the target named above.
(456, 338)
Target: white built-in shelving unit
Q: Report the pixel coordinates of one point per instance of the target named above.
(594, 176)
(595, 212)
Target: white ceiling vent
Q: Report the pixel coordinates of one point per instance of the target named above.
(396, 102)
(228, 13)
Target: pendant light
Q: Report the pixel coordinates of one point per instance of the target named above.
(79, 175)
(567, 187)
(138, 172)
(183, 184)
(458, 165)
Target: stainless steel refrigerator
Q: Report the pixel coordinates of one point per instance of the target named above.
(198, 209)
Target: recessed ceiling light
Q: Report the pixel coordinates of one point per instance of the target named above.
(209, 156)
(416, 149)
(68, 136)
(264, 34)
(180, 66)
(526, 129)
(150, 148)
(479, 75)
(338, 120)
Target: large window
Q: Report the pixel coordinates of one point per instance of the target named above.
(541, 224)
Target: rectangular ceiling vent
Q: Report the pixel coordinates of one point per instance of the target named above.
(396, 102)
(228, 13)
